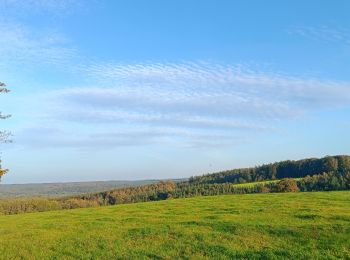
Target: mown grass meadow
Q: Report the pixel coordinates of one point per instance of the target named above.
(313, 225)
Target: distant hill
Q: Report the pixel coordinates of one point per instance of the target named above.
(65, 189)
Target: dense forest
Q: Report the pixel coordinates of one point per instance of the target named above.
(278, 170)
(325, 174)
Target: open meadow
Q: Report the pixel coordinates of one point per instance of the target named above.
(266, 226)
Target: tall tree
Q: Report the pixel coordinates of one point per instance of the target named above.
(4, 135)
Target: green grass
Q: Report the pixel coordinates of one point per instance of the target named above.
(253, 226)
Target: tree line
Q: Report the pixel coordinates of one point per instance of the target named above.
(278, 170)
(330, 173)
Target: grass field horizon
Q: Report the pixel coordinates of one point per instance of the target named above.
(255, 226)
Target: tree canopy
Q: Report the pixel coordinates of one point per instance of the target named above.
(278, 170)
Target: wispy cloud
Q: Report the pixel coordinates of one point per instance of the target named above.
(323, 33)
(20, 45)
(211, 103)
(190, 79)
(208, 88)
(35, 6)
(48, 137)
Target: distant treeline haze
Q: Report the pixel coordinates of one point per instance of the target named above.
(64, 189)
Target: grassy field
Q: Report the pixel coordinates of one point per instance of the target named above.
(265, 226)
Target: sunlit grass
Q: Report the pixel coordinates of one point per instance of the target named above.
(291, 225)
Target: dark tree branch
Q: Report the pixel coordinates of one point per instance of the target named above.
(3, 88)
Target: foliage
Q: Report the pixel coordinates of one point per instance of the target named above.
(278, 170)
(151, 192)
(16, 206)
(325, 182)
(2, 171)
(287, 185)
(258, 226)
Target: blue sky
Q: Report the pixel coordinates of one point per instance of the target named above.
(163, 89)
